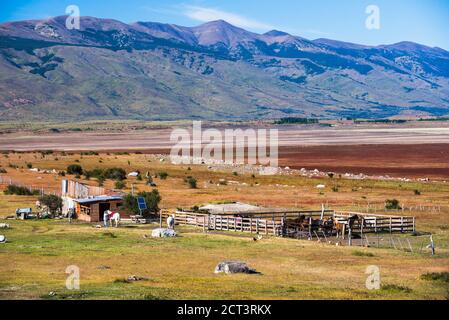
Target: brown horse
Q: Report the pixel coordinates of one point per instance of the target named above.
(299, 223)
(340, 226)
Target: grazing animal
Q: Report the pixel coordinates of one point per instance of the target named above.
(299, 223)
(352, 220)
(114, 217)
(338, 226)
(171, 222)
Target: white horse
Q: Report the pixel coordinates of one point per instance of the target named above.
(171, 222)
(114, 217)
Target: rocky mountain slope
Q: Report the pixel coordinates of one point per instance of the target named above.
(145, 70)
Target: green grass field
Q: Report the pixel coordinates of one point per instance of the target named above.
(34, 261)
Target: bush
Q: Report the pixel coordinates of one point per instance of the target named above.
(417, 192)
(117, 174)
(75, 169)
(436, 276)
(20, 191)
(395, 288)
(392, 204)
(2, 170)
(152, 200)
(29, 165)
(192, 182)
(120, 185)
(101, 181)
(163, 175)
(53, 202)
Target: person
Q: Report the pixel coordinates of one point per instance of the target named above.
(71, 214)
(106, 218)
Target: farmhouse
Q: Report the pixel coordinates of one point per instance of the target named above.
(88, 202)
(92, 209)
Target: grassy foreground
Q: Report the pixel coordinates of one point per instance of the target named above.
(33, 264)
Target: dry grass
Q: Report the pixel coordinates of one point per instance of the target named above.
(33, 264)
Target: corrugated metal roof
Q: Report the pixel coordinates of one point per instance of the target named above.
(98, 199)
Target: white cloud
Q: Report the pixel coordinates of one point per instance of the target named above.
(209, 14)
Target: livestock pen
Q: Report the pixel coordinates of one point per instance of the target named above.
(297, 223)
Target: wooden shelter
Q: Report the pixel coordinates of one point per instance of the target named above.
(92, 209)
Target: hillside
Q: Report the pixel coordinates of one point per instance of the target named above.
(216, 71)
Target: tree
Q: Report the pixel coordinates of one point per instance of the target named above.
(152, 200)
(75, 169)
(53, 203)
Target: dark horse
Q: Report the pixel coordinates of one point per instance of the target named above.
(340, 226)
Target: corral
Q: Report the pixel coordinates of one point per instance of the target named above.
(296, 223)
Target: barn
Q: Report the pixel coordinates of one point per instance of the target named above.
(92, 209)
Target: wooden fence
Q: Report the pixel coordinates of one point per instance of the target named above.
(369, 223)
(278, 223)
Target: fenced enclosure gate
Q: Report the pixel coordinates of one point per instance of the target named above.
(299, 224)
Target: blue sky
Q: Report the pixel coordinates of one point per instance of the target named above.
(422, 21)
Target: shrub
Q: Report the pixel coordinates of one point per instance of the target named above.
(163, 175)
(101, 181)
(20, 191)
(2, 170)
(152, 200)
(95, 173)
(120, 185)
(335, 189)
(436, 276)
(192, 182)
(29, 165)
(392, 204)
(395, 288)
(75, 169)
(417, 192)
(53, 202)
(117, 174)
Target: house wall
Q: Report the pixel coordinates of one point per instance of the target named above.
(95, 214)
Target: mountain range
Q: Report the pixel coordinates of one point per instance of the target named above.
(216, 71)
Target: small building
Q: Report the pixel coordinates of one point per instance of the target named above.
(92, 209)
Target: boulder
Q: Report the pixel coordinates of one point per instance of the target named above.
(163, 233)
(231, 267)
(4, 226)
(3, 239)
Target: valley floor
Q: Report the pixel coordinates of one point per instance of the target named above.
(34, 261)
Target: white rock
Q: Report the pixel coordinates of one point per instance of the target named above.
(163, 233)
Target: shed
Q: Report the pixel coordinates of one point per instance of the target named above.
(92, 209)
